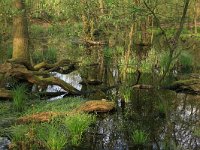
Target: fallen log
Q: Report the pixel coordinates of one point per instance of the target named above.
(64, 66)
(91, 106)
(97, 106)
(21, 72)
(142, 86)
(50, 94)
(90, 42)
(190, 86)
(5, 94)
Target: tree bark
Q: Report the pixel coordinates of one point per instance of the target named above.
(20, 33)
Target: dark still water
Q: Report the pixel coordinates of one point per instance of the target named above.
(149, 120)
(144, 119)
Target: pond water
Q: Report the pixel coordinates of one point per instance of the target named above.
(145, 118)
(171, 128)
(168, 120)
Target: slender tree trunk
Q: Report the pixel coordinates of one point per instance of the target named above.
(128, 52)
(195, 16)
(20, 33)
(101, 6)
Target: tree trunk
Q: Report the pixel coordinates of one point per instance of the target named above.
(20, 33)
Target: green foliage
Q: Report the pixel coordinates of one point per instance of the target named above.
(19, 133)
(164, 60)
(186, 61)
(76, 125)
(61, 105)
(139, 137)
(52, 136)
(197, 131)
(147, 63)
(9, 52)
(49, 55)
(126, 93)
(19, 97)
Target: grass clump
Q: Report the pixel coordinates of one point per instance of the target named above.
(58, 133)
(76, 125)
(61, 105)
(19, 97)
(52, 136)
(126, 93)
(19, 135)
(139, 137)
(49, 55)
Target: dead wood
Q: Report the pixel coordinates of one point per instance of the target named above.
(96, 106)
(50, 94)
(142, 86)
(64, 66)
(39, 117)
(21, 72)
(90, 42)
(5, 94)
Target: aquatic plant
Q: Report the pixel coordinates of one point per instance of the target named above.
(76, 125)
(139, 137)
(52, 136)
(19, 97)
(126, 93)
(162, 109)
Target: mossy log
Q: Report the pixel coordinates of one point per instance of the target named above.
(98, 106)
(64, 66)
(5, 94)
(36, 77)
(190, 86)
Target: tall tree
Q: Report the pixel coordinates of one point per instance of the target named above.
(20, 33)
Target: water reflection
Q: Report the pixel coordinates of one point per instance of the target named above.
(175, 131)
(168, 118)
(73, 78)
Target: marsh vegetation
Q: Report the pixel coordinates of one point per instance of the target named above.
(104, 74)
